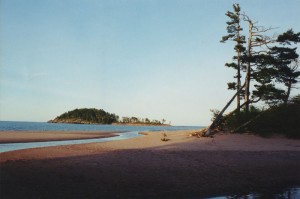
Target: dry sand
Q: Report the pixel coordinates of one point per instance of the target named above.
(146, 167)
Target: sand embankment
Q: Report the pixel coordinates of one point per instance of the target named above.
(146, 167)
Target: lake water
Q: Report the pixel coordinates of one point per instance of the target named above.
(130, 132)
(43, 126)
(290, 193)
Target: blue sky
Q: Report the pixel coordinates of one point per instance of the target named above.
(146, 58)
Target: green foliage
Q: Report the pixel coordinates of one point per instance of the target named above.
(271, 62)
(234, 29)
(235, 119)
(276, 65)
(231, 85)
(295, 100)
(269, 94)
(86, 115)
(288, 37)
(136, 120)
(95, 116)
(283, 119)
(271, 65)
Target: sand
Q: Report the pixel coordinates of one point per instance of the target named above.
(146, 167)
(33, 136)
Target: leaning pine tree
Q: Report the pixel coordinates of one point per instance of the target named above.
(234, 34)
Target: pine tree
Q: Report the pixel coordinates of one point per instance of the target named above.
(286, 61)
(234, 34)
(256, 58)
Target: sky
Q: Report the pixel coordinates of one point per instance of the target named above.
(160, 59)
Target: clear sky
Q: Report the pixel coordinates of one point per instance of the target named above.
(145, 58)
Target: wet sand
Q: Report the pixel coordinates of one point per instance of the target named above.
(32, 136)
(146, 167)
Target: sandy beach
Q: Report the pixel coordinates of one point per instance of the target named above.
(146, 167)
(32, 136)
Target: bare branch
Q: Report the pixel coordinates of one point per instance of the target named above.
(261, 29)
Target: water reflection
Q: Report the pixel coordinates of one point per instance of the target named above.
(18, 146)
(292, 193)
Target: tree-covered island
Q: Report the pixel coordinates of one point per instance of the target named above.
(99, 116)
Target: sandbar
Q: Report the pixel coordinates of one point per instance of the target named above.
(44, 136)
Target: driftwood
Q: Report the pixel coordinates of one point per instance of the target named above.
(165, 138)
(219, 116)
(199, 134)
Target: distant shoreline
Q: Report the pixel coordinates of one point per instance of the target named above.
(139, 124)
(115, 123)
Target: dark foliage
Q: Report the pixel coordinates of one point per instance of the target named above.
(234, 30)
(271, 72)
(86, 115)
(95, 116)
(235, 119)
(289, 37)
(283, 119)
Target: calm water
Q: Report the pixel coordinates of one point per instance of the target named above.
(130, 132)
(291, 193)
(43, 126)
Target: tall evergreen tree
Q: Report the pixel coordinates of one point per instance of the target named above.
(234, 34)
(272, 65)
(286, 61)
(256, 58)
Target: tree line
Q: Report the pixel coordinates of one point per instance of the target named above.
(99, 116)
(136, 120)
(87, 116)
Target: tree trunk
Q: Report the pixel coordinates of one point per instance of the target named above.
(289, 86)
(215, 122)
(248, 69)
(238, 98)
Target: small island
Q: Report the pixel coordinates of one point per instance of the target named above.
(99, 116)
(86, 116)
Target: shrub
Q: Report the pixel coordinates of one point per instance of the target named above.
(283, 119)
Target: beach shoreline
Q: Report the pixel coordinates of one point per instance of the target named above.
(146, 167)
(46, 136)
